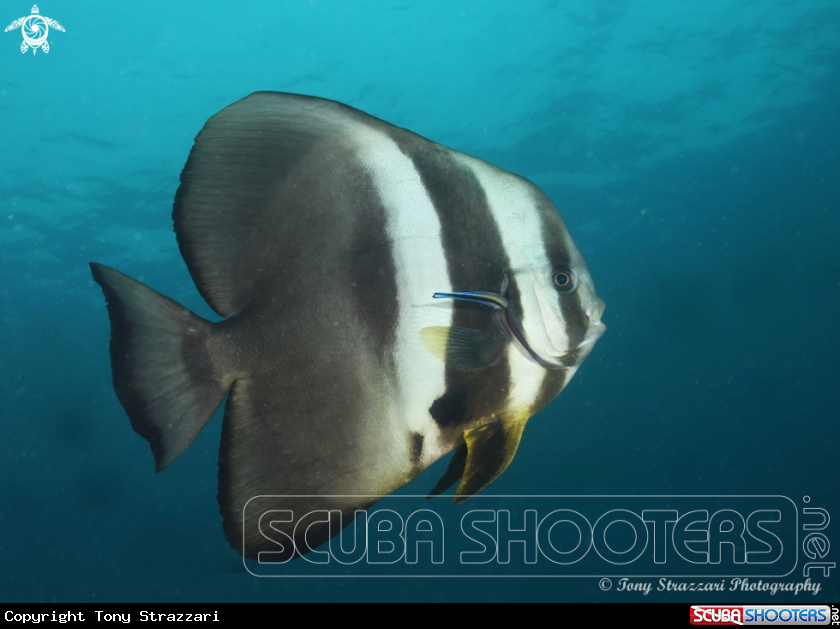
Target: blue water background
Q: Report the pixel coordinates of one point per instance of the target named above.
(692, 147)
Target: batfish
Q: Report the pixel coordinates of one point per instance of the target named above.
(385, 301)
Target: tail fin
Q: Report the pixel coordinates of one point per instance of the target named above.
(162, 363)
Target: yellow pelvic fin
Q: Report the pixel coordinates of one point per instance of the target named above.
(453, 473)
(490, 449)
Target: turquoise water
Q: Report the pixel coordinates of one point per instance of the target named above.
(693, 149)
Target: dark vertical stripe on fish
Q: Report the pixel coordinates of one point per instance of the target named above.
(373, 272)
(416, 447)
(555, 239)
(476, 261)
(553, 382)
(576, 324)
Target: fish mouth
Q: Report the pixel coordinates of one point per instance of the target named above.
(571, 359)
(511, 324)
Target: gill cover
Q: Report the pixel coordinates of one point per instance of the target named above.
(511, 324)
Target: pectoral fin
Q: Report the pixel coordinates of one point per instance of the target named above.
(490, 449)
(463, 348)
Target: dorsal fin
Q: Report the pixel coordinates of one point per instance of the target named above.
(251, 181)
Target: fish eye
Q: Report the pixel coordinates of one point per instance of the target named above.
(564, 281)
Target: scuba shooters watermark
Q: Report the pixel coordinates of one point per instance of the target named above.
(798, 615)
(720, 541)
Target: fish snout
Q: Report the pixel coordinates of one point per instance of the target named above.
(596, 327)
(596, 310)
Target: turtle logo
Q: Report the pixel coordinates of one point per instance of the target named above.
(35, 28)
